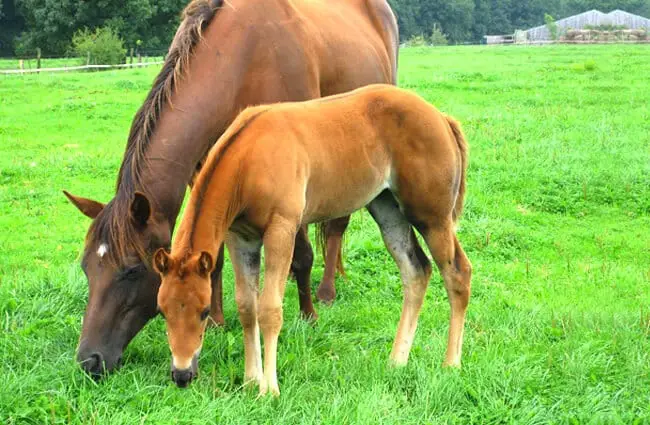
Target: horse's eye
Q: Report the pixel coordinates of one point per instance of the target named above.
(204, 313)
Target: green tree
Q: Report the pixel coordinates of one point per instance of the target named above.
(50, 25)
(551, 25)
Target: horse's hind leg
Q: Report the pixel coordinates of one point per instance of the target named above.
(333, 230)
(456, 270)
(415, 269)
(303, 259)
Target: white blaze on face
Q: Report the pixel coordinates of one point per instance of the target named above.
(102, 250)
(182, 364)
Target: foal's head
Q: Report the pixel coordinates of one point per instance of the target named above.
(184, 302)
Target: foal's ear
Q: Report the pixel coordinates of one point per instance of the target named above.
(88, 207)
(161, 261)
(205, 264)
(140, 209)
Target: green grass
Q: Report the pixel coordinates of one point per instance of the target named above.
(557, 225)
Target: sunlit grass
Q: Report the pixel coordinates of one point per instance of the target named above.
(557, 225)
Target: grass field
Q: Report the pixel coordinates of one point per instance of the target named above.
(557, 225)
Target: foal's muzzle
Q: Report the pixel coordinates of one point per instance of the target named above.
(183, 377)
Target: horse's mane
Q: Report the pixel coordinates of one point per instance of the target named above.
(113, 226)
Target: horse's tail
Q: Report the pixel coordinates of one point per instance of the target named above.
(462, 148)
(321, 244)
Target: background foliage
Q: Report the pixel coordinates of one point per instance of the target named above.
(27, 24)
(102, 47)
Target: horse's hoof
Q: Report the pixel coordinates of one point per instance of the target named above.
(309, 316)
(326, 294)
(216, 320)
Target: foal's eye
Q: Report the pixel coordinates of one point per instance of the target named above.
(204, 313)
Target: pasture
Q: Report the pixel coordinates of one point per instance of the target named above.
(556, 224)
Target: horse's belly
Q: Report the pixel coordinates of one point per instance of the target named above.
(343, 196)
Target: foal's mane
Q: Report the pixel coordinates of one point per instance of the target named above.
(113, 225)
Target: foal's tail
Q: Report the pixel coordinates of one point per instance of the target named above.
(462, 148)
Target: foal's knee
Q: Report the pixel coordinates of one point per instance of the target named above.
(247, 312)
(270, 318)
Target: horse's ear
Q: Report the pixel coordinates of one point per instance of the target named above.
(205, 264)
(88, 207)
(140, 209)
(161, 261)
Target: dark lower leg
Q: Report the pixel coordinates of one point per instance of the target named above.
(333, 233)
(216, 300)
(303, 259)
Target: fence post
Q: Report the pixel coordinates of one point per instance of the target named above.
(38, 58)
(21, 64)
(131, 58)
(88, 59)
(139, 58)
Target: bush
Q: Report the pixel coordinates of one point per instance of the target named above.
(551, 25)
(416, 41)
(438, 38)
(104, 46)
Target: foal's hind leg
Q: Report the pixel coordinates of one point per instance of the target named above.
(303, 259)
(333, 230)
(456, 270)
(415, 269)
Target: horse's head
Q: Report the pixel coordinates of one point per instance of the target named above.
(184, 302)
(122, 287)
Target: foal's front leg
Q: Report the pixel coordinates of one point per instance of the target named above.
(245, 257)
(279, 240)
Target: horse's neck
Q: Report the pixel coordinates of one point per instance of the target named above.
(197, 115)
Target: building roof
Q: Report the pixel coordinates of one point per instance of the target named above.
(592, 17)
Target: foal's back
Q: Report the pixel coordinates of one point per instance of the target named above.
(342, 151)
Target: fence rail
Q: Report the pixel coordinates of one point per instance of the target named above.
(79, 68)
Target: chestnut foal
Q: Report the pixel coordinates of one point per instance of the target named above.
(281, 166)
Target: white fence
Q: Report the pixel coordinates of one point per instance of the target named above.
(79, 68)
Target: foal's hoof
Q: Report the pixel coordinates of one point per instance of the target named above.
(451, 364)
(266, 390)
(326, 294)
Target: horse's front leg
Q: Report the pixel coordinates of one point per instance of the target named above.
(303, 259)
(278, 240)
(216, 299)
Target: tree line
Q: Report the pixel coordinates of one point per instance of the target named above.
(151, 24)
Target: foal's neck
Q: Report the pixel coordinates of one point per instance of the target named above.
(213, 207)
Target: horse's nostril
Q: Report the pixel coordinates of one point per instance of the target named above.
(93, 364)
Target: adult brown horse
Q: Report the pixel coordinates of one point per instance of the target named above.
(224, 57)
(378, 146)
